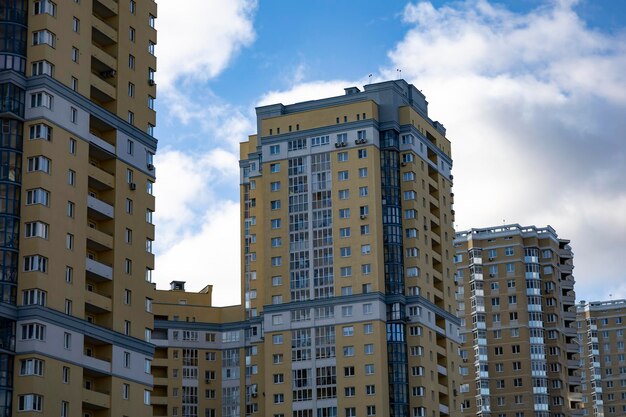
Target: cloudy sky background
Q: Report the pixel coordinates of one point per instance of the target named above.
(532, 94)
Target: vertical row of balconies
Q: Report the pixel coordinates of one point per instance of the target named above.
(104, 53)
(97, 379)
(100, 230)
(159, 397)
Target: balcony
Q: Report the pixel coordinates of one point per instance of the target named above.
(98, 271)
(158, 400)
(161, 381)
(96, 364)
(102, 90)
(95, 400)
(100, 179)
(442, 370)
(98, 209)
(105, 8)
(98, 241)
(102, 32)
(101, 60)
(444, 410)
(97, 303)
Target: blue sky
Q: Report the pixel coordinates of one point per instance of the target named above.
(533, 90)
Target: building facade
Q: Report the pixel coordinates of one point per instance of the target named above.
(77, 86)
(347, 256)
(516, 297)
(601, 334)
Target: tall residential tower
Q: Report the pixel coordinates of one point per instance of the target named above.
(516, 300)
(347, 256)
(77, 86)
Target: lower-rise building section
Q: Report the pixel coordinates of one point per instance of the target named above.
(601, 335)
(306, 359)
(516, 302)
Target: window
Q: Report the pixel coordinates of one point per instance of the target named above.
(348, 331)
(344, 213)
(277, 339)
(510, 268)
(349, 391)
(274, 168)
(363, 191)
(366, 269)
(30, 402)
(44, 37)
(73, 115)
(45, 6)
(277, 261)
(151, 21)
(71, 177)
(343, 175)
(346, 311)
(75, 54)
(37, 229)
(40, 131)
(362, 172)
(342, 156)
(345, 271)
(344, 194)
(34, 297)
(344, 232)
(33, 331)
(348, 351)
(31, 367)
(131, 117)
(348, 371)
(149, 245)
(275, 204)
(41, 99)
(275, 186)
(508, 251)
(368, 349)
(35, 263)
(362, 153)
(151, 47)
(368, 328)
(74, 83)
(131, 34)
(274, 149)
(42, 68)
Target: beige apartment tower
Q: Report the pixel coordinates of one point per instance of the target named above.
(348, 305)
(76, 205)
(601, 326)
(347, 270)
(520, 349)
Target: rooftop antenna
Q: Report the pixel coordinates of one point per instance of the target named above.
(398, 73)
(370, 78)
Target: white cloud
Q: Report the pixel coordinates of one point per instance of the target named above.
(531, 104)
(201, 44)
(197, 233)
(210, 255)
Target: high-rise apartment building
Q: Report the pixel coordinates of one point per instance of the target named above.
(77, 86)
(517, 303)
(601, 326)
(347, 256)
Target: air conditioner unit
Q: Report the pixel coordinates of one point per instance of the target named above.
(491, 259)
(492, 275)
(150, 167)
(151, 82)
(451, 177)
(344, 144)
(132, 186)
(403, 164)
(207, 381)
(338, 145)
(363, 140)
(464, 360)
(363, 216)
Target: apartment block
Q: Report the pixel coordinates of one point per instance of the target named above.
(520, 351)
(346, 216)
(601, 335)
(77, 86)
